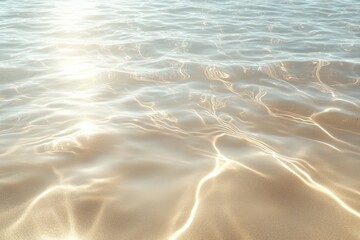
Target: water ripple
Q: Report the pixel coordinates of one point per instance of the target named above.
(179, 119)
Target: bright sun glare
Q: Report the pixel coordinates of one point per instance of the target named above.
(86, 127)
(70, 18)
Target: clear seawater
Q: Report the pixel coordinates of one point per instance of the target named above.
(179, 119)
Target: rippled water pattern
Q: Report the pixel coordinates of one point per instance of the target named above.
(179, 119)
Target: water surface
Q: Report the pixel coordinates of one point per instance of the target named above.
(179, 119)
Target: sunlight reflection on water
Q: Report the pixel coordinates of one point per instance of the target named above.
(179, 120)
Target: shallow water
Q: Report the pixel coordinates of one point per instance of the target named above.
(179, 119)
